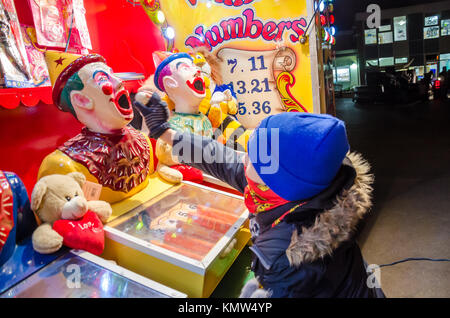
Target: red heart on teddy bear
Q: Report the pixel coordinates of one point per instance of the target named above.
(84, 234)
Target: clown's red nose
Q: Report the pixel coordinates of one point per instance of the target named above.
(107, 88)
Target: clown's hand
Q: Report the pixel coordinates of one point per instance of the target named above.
(156, 114)
(252, 290)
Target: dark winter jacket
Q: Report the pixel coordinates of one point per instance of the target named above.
(311, 252)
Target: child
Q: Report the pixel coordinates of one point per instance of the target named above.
(305, 198)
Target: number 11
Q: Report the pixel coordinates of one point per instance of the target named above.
(261, 58)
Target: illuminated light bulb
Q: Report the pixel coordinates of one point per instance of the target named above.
(332, 40)
(209, 4)
(322, 6)
(160, 17)
(333, 30)
(330, 7)
(169, 33)
(331, 19)
(323, 20)
(325, 35)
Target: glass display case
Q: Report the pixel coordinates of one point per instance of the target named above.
(80, 274)
(185, 238)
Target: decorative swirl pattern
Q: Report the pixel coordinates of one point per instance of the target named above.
(285, 81)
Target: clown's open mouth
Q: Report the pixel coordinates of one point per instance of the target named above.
(123, 103)
(197, 85)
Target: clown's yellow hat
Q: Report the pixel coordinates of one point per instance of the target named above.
(57, 62)
(61, 66)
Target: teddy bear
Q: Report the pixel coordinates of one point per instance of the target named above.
(66, 217)
(220, 102)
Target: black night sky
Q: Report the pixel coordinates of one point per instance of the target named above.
(345, 10)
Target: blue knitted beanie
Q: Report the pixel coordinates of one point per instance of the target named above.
(298, 154)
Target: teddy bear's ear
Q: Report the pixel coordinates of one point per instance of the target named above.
(78, 177)
(38, 193)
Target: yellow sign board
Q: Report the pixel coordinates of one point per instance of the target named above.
(258, 42)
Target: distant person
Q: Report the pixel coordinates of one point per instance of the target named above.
(428, 77)
(403, 79)
(448, 80)
(412, 78)
(444, 83)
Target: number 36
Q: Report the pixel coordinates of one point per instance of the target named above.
(257, 107)
(265, 107)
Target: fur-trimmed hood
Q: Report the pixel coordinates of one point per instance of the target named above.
(335, 225)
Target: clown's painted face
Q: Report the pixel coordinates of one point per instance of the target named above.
(185, 80)
(103, 105)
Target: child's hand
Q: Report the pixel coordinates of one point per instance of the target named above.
(156, 114)
(252, 290)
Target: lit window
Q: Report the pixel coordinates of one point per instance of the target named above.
(401, 60)
(431, 32)
(420, 70)
(445, 27)
(370, 36)
(386, 61)
(444, 62)
(343, 74)
(400, 29)
(384, 28)
(432, 20)
(385, 37)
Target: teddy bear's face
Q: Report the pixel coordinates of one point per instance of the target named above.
(57, 197)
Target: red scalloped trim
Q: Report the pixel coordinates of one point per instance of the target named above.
(13, 97)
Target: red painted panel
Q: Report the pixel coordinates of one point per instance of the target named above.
(123, 34)
(28, 134)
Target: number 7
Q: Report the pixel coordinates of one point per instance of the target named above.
(232, 62)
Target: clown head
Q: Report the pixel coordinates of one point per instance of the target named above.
(180, 79)
(86, 87)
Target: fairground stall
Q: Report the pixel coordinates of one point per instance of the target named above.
(90, 205)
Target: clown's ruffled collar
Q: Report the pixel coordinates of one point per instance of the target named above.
(119, 161)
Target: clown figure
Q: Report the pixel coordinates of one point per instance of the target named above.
(181, 80)
(107, 151)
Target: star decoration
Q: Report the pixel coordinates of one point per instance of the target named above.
(59, 61)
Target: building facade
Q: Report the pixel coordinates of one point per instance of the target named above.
(418, 34)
